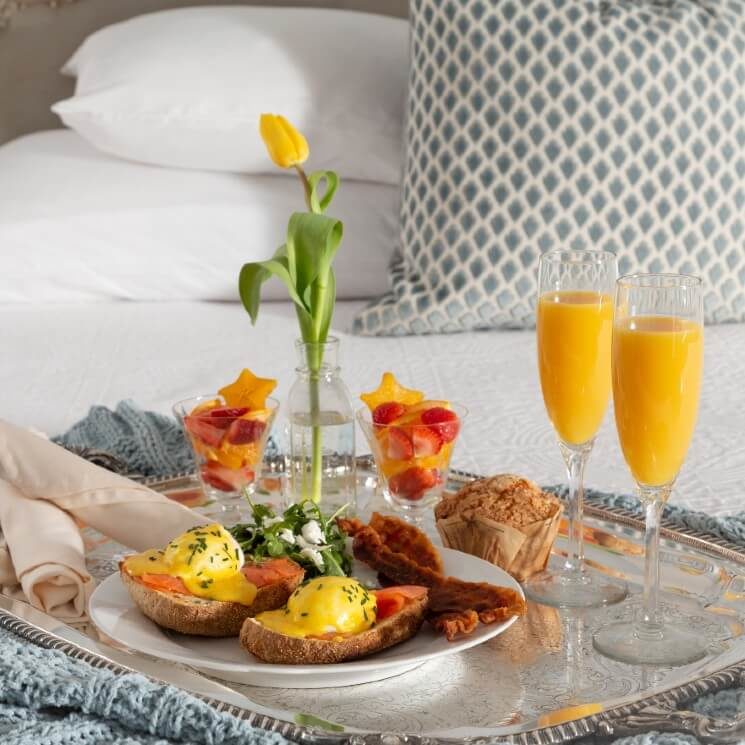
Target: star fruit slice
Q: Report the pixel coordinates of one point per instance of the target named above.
(248, 390)
(391, 390)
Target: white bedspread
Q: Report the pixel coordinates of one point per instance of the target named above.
(59, 360)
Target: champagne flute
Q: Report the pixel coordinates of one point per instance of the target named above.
(657, 361)
(574, 327)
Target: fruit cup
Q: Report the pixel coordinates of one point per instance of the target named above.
(228, 445)
(412, 446)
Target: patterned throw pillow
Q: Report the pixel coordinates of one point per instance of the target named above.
(540, 124)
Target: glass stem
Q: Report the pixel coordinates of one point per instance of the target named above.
(649, 624)
(575, 457)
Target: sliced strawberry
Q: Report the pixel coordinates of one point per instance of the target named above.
(413, 413)
(413, 482)
(444, 421)
(244, 431)
(226, 479)
(387, 412)
(426, 441)
(224, 415)
(400, 446)
(204, 429)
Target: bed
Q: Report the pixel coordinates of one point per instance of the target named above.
(60, 358)
(65, 358)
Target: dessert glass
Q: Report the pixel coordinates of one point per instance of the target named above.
(228, 449)
(412, 477)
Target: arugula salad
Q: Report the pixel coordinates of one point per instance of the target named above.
(301, 533)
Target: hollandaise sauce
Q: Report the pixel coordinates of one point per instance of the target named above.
(206, 560)
(325, 607)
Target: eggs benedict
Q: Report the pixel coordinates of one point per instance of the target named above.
(333, 619)
(325, 607)
(201, 584)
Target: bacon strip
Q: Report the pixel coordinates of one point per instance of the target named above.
(447, 595)
(453, 624)
(403, 538)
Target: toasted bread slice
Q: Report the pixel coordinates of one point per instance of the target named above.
(272, 646)
(189, 614)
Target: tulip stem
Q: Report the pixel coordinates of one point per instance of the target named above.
(315, 362)
(306, 186)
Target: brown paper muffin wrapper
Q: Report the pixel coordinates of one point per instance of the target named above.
(522, 552)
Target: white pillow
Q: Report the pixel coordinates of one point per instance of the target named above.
(186, 87)
(78, 225)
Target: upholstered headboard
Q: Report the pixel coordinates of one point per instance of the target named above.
(37, 37)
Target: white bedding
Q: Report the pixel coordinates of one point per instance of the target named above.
(58, 360)
(77, 225)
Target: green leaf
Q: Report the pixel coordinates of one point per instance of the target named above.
(313, 240)
(332, 566)
(319, 204)
(310, 720)
(275, 548)
(327, 313)
(253, 276)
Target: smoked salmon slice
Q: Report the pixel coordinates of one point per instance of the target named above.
(267, 573)
(391, 600)
(271, 571)
(164, 582)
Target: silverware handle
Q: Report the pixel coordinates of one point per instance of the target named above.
(664, 719)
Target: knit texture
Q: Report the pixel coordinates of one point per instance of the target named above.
(148, 443)
(101, 707)
(729, 527)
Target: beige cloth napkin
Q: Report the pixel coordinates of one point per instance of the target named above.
(43, 490)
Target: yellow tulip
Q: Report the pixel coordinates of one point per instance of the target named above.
(286, 146)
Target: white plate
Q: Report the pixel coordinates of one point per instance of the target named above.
(114, 613)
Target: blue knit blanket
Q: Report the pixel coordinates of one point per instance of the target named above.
(100, 707)
(148, 443)
(46, 698)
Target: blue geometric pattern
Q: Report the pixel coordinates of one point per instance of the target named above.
(541, 124)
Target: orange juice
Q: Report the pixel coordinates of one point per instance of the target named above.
(657, 363)
(574, 347)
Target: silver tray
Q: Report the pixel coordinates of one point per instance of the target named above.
(539, 682)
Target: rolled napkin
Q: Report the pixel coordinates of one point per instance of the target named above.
(51, 571)
(44, 489)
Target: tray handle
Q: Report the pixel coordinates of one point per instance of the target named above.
(664, 719)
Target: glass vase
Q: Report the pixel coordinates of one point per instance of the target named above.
(322, 431)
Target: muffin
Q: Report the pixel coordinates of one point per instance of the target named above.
(506, 519)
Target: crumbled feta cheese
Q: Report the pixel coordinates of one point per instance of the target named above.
(312, 532)
(300, 541)
(287, 536)
(314, 556)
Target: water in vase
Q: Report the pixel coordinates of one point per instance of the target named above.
(336, 476)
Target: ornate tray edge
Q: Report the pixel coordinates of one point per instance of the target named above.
(619, 721)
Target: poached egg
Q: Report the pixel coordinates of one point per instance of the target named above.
(324, 607)
(207, 560)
